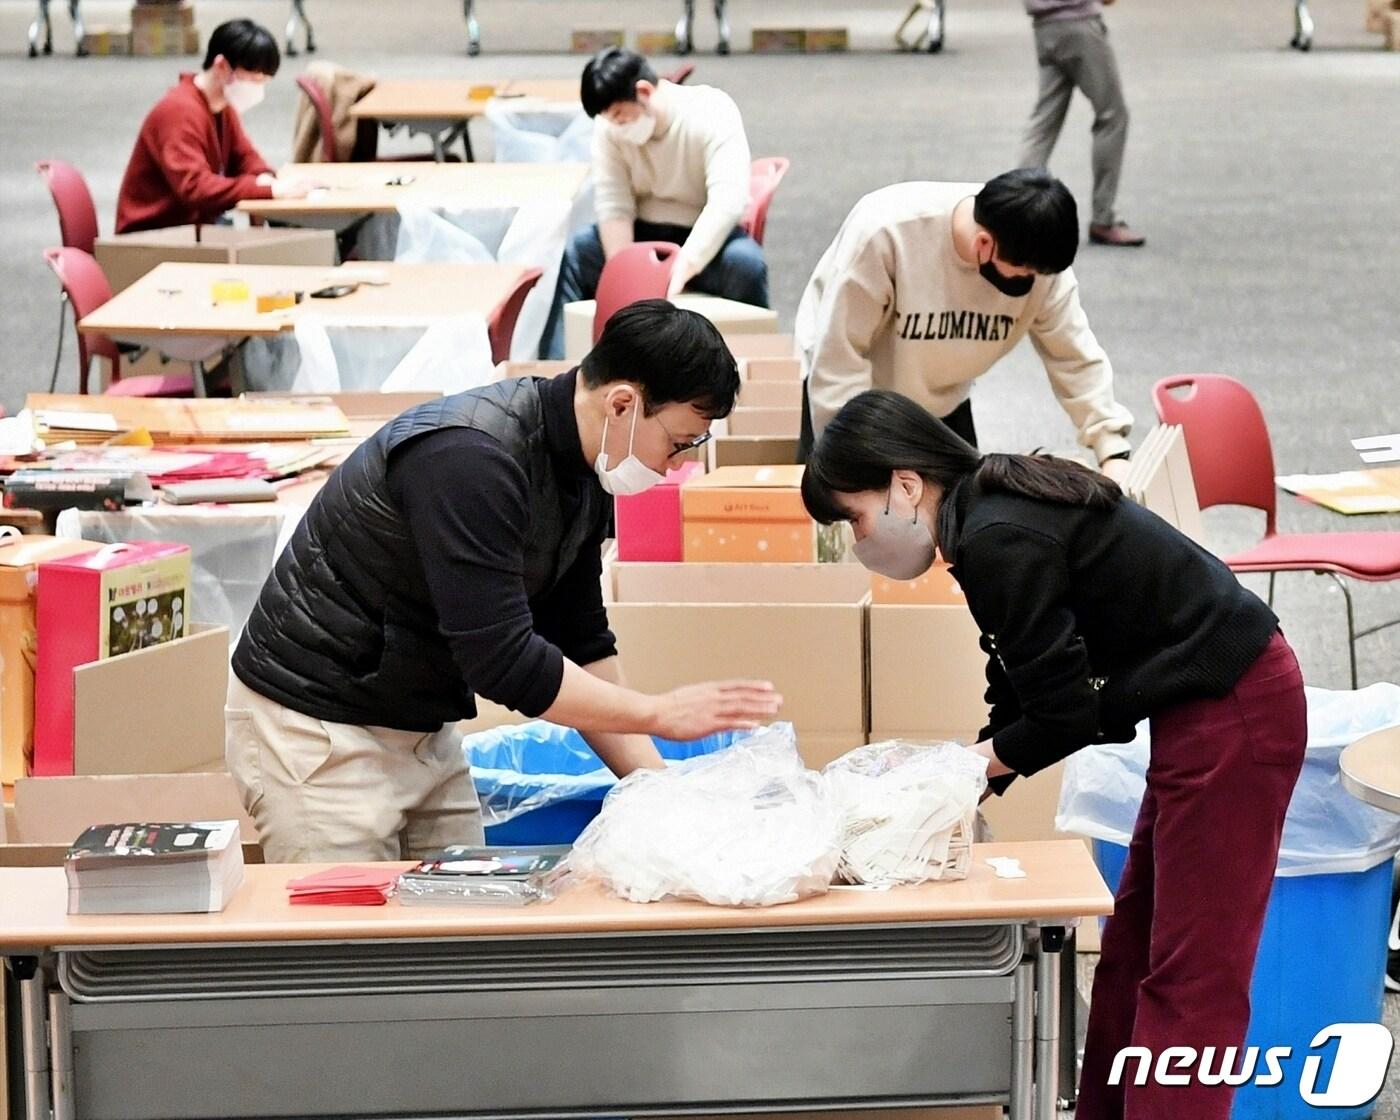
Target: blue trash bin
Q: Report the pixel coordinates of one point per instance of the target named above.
(1321, 961)
(552, 769)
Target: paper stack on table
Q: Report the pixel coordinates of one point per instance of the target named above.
(344, 886)
(92, 420)
(1349, 492)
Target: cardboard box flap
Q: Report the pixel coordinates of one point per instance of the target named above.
(56, 810)
(740, 583)
(27, 551)
(761, 493)
(745, 346)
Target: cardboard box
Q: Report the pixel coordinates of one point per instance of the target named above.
(769, 368)
(779, 40)
(1392, 31)
(656, 42)
(927, 672)
(1378, 15)
(823, 39)
(127, 257)
(50, 813)
(166, 15)
(751, 451)
(357, 405)
(770, 394)
(591, 41)
(156, 40)
(800, 626)
(748, 515)
(107, 41)
(935, 586)
(765, 421)
(19, 561)
(730, 316)
(157, 711)
(109, 603)
(649, 524)
(744, 346)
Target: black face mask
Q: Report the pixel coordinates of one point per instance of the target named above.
(1007, 285)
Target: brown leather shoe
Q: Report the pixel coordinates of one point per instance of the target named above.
(1119, 233)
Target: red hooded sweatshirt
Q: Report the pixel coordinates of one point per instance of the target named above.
(189, 164)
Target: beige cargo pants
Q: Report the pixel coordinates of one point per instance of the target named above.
(324, 792)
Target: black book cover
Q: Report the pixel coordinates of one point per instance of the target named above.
(107, 844)
(461, 861)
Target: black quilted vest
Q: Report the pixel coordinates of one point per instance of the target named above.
(344, 629)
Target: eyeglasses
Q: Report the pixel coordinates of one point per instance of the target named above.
(679, 448)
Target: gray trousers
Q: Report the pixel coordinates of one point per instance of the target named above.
(1076, 53)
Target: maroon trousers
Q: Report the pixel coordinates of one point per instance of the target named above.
(1178, 953)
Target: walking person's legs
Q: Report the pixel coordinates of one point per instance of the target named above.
(1048, 116)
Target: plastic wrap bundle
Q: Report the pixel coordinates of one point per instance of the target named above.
(907, 809)
(748, 826)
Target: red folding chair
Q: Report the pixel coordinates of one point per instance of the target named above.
(680, 74)
(640, 271)
(764, 177)
(87, 289)
(77, 228)
(1232, 462)
(501, 327)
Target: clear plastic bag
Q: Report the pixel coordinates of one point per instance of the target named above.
(749, 826)
(1327, 830)
(908, 811)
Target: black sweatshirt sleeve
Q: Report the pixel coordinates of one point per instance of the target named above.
(467, 505)
(1003, 709)
(572, 615)
(1017, 586)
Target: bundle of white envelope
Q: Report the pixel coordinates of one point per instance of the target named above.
(752, 826)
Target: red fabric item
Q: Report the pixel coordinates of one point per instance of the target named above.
(189, 164)
(1366, 556)
(1178, 953)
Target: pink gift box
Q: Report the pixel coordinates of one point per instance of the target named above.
(119, 599)
(649, 524)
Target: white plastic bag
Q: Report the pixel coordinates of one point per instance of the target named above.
(908, 811)
(1327, 830)
(444, 354)
(747, 826)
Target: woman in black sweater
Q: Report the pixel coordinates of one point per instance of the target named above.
(1096, 614)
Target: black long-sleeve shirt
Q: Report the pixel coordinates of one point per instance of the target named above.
(467, 505)
(1093, 620)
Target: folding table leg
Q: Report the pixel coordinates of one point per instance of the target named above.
(41, 31)
(1047, 1022)
(34, 1037)
(723, 21)
(685, 28)
(934, 34)
(1303, 26)
(1023, 1043)
(61, 1055)
(79, 32)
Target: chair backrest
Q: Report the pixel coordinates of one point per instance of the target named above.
(77, 216)
(679, 75)
(764, 177)
(640, 271)
(82, 278)
(501, 328)
(1227, 440)
(325, 119)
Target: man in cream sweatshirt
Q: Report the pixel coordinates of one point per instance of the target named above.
(927, 285)
(670, 163)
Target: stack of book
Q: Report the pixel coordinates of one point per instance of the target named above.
(166, 868)
(485, 876)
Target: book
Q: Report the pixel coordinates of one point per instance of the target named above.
(98, 488)
(1350, 492)
(483, 875)
(343, 886)
(154, 868)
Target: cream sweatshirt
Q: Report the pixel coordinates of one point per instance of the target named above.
(695, 173)
(891, 305)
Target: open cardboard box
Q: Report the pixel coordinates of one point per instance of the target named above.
(745, 346)
(50, 813)
(765, 421)
(802, 626)
(159, 710)
(363, 405)
(126, 257)
(750, 451)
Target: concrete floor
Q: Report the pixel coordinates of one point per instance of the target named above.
(1264, 179)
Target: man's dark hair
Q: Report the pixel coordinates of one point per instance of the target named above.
(676, 357)
(245, 46)
(612, 76)
(1033, 217)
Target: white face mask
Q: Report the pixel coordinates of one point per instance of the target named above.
(631, 476)
(897, 547)
(637, 131)
(244, 94)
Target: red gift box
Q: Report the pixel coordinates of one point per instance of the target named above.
(117, 600)
(649, 523)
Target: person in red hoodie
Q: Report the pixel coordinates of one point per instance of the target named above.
(192, 160)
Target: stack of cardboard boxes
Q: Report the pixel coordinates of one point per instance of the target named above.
(163, 27)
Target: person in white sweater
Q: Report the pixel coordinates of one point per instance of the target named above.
(927, 285)
(670, 163)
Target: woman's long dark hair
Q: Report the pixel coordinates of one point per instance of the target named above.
(879, 432)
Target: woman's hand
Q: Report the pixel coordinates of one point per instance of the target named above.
(697, 710)
(995, 767)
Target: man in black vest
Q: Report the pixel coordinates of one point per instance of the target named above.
(457, 552)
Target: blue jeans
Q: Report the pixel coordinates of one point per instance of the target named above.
(738, 272)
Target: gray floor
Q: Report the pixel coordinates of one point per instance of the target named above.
(1264, 178)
